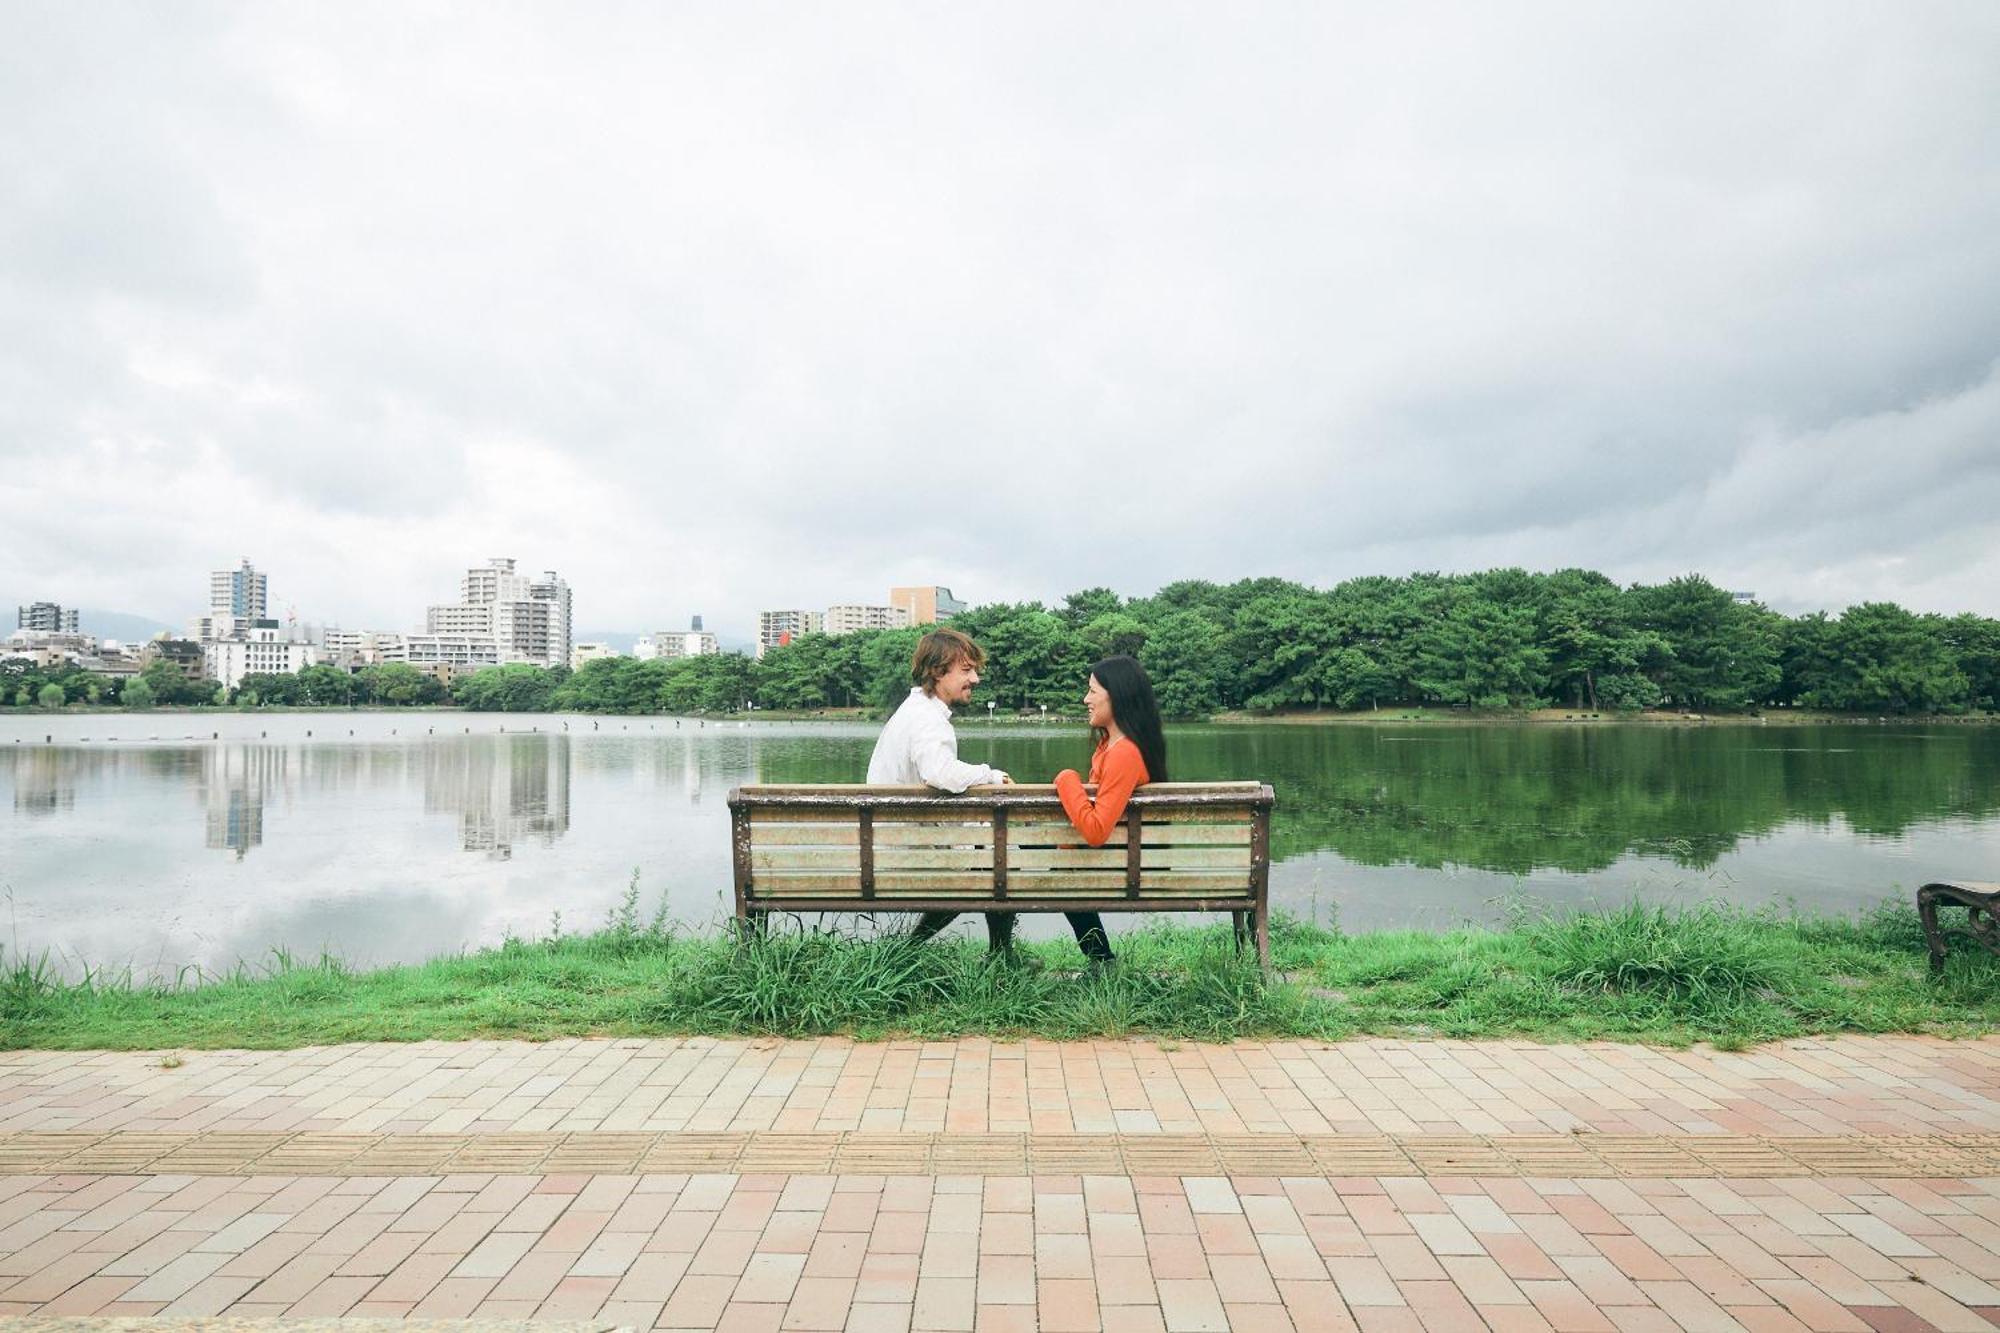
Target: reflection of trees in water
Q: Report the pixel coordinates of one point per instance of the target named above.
(1516, 799)
(502, 788)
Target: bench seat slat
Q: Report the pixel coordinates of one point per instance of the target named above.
(1208, 814)
(764, 858)
(1151, 835)
(1108, 857)
(886, 835)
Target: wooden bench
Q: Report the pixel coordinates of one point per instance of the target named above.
(1185, 847)
(1981, 901)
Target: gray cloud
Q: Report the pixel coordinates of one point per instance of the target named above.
(722, 309)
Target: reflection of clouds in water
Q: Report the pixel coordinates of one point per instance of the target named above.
(378, 935)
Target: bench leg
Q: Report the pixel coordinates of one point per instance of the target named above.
(1239, 927)
(1264, 938)
(1927, 912)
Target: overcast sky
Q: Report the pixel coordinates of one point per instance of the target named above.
(722, 307)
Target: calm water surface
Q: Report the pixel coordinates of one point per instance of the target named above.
(143, 840)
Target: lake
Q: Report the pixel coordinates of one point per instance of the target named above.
(161, 840)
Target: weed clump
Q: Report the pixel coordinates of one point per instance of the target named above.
(1703, 954)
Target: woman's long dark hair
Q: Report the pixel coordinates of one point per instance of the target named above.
(1135, 710)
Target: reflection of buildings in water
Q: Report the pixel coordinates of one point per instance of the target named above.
(690, 772)
(503, 789)
(44, 779)
(235, 781)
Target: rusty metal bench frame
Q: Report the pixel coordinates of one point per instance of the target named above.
(1981, 901)
(1003, 849)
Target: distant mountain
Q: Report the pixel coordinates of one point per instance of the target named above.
(122, 626)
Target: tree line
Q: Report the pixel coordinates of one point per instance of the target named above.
(1502, 639)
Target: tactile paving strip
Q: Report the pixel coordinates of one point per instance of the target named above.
(860, 1153)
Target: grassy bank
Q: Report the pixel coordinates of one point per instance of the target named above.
(1658, 975)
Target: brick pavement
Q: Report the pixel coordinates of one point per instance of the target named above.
(1837, 1085)
(1683, 1244)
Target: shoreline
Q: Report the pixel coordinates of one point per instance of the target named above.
(1542, 717)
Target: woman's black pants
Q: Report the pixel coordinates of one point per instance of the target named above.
(1089, 928)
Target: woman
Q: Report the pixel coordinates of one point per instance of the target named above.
(1130, 751)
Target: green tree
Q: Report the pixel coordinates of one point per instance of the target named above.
(277, 689)
(1032, 658)
(1976, 642)
(136, 694)
(1279, 642)
(398, 684)
(1184, 657)
(1080, 608)
(1725, 653)
(1112, 634)
(51, 696)
(324, 686)
(518, 687)
(170, 684)
(1887, 660)
(1473, 651)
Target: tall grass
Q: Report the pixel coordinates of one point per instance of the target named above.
(1701, 955)
(1669, 975)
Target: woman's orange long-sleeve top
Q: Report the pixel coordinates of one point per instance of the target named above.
(1118, 769)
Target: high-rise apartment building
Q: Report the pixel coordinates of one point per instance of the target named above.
(849, 617)
(553, 593)
(527, 619)
(241, 592)
(925, 606)
(775, 629)
(47, 616)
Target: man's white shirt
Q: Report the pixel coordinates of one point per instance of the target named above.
(919, 745)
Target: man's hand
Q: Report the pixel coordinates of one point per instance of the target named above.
(1004, 778)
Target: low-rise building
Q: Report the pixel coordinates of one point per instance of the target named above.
(590, 652)
(848, 617)
(694, 641)
(183, 653)
(263, 648)
(668, 643)
(49, 649)
(461, 652)
(354, 649)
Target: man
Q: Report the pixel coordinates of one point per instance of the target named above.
(919, 745)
